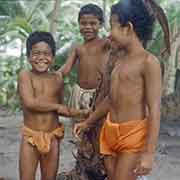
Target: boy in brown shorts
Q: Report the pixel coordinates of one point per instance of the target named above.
(41, 94)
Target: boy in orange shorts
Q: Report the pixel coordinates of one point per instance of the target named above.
(129, 135)
(41, 94)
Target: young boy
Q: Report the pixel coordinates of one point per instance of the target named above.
(41, 94)
(89, 57)
(129, 135)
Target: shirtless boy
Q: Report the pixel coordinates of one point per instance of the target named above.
(89, 57)
(129, 135)
(41, 94)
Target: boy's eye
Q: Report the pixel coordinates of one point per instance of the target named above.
(93, 23)
(38, 53)
(47, 53)
(83, 23)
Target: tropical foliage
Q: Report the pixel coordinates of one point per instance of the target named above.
(19, 18)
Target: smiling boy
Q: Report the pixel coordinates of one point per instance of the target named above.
(41, 94)
(89, 56)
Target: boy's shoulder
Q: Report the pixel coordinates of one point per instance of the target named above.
(24, 73)
(151, 61)
(150, 58)
(100, 43)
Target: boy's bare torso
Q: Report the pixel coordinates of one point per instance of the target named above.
(92, 56)
(46, 88)
(127, 93)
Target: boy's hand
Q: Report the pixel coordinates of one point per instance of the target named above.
(107, 44)
(62, 110)
(145, 164)
(84, 113)
(79, 127)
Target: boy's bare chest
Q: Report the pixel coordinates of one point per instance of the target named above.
(126, 72)
(48, 87)
(92, 56)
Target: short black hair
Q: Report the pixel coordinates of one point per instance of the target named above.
(92, 9)
(136, 12)
(40, 36)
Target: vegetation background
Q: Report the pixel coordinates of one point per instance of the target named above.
(18, 18)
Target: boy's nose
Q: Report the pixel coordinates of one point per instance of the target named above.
(88, 26)
(41, 55)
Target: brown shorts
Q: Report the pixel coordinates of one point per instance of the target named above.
(40, 139)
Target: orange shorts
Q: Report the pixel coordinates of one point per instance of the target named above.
(129, 136)
(40, 139)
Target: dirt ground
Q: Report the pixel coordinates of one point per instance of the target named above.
(167, 165)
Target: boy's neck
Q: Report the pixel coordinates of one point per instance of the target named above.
(91, 40)
(135, 46)
(39, 73)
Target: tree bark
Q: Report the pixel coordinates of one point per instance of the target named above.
(105, 14)
(54, 20)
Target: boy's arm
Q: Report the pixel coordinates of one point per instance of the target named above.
(25, 91)
(72, 112)
(66, 68)
(153, 87)
(101, 110)
(152, 77)
(63, 109)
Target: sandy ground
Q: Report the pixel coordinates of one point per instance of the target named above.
(167, 166)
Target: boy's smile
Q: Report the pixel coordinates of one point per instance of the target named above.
(41, 57)
(89, 26)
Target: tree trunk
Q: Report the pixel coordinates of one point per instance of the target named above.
(54, 20)
(105, 14)
(89, 163)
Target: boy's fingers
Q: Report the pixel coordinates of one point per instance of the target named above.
(76, 131)
(136, 170)
(140, 170)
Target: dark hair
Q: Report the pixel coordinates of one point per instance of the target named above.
(136, 12)
(92, 9)
(40, 36)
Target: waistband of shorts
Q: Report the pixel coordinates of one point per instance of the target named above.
(128, 122)
(84, 90)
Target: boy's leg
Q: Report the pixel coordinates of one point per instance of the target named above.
(28, 160)
(126, 162)
(50, 161)
(110, 164)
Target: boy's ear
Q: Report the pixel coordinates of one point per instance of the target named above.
(130, 27)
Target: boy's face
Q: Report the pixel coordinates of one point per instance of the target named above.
(89, 26)
(119, 33)
(41, 57)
